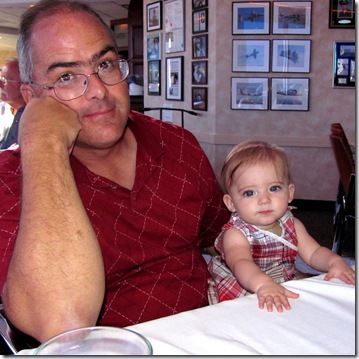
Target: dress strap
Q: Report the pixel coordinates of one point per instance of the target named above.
(280, 239)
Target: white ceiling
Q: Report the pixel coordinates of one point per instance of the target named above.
(11, 11)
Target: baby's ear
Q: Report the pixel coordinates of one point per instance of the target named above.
(291, 189)
(227, 199)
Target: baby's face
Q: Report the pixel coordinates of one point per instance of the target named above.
(259, 194)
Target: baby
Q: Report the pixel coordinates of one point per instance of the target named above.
(259, 245)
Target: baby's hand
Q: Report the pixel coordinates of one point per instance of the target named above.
(270, 293)
(340, 269)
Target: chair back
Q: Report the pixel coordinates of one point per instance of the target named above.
(344, 159)
(338, 130)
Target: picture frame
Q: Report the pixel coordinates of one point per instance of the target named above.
(174, 25)
(200, 21)
(291, 56)
(292, 17)
(197, 4)
(250, 55)
(342, 14)
(249, 93)
(154, 16)
(154, 77)
(174, 78)
(199, 46)
(199, 72)
(120, 29)
(250, 18)
(290, 94)
(154, 46)
(199, 98)
(344, 64)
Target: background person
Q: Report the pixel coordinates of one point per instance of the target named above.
(10, 93)
(104, 212)
(259, 244)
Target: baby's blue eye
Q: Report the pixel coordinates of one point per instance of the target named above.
(248, 193)
(275, 188)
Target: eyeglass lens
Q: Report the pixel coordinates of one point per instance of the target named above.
(74, 85)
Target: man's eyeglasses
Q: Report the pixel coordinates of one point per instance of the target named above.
(4, 81)
(70, 86)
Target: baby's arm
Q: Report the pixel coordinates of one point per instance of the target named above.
(322, 258)
(239, 259)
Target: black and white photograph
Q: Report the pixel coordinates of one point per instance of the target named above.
(199, 46)
(199, 72)
(199, 98)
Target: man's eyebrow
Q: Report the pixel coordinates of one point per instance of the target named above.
(73, 64)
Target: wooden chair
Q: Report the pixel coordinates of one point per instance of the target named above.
(338, 130)
(345, 206)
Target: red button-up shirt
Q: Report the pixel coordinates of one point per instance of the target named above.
(150, 236)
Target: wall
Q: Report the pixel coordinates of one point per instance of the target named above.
(4, 55)
(303, 134)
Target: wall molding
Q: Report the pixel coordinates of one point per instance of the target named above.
(285, 141)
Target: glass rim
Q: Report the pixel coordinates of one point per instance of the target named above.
(90, 329)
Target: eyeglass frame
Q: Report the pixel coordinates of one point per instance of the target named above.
(53, 86)
(4, 80)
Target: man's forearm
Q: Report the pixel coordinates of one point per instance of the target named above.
(56, 276)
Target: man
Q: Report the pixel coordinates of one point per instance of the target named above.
(10, 83)
(103, 219)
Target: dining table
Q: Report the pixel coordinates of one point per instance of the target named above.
(320, 322)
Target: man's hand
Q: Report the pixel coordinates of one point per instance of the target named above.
(45, 121)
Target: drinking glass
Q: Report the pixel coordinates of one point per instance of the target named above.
(96, 341)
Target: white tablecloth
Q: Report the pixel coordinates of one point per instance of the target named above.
(321, 322)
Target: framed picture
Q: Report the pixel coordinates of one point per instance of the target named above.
(290, 94)
(174, 26)
(154, 77)
(344, 64)
(153, 46)
(249, 93)
(250, 18)
(291, 55)
(342, 14)
(174, 78)
(250, 56)
(199, 98)
(200, 21)
(154, 16)
(120, 29)
(199, 46)
(292, 17)
(199, 73)
(196, 4)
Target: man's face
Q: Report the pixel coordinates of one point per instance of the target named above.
(78, 44)
(10, 92)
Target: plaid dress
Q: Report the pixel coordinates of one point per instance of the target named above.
(271, 255)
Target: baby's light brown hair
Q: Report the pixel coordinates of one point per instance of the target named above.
(253, 153)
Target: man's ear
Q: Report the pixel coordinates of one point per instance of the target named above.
(27, 92)
(291, 189)
(228, 202)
